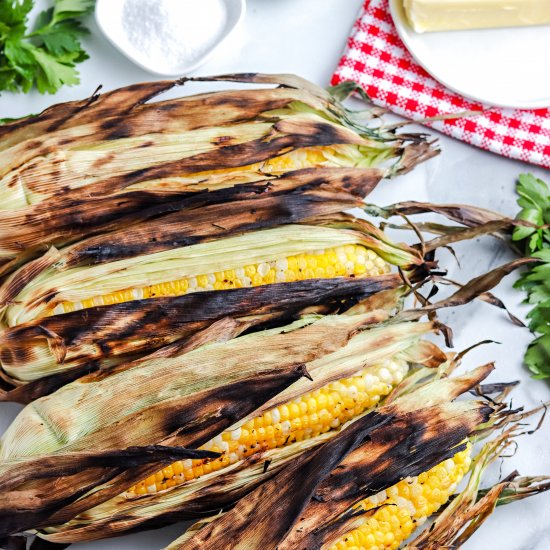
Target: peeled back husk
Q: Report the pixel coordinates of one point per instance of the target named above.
(42, 343)
(35, 292)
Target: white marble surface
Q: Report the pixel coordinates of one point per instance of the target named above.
(307, 37)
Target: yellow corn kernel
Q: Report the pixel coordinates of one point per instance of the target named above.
(310, 415)
(350, 260)
(409, 503)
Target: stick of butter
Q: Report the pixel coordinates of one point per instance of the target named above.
(446, 15)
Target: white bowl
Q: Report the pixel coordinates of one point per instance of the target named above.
(108, 15)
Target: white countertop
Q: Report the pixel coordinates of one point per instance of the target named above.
(307, 37)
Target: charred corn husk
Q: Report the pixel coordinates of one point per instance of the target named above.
(333, 347)
(116, 157)
(43, 299)
(394, 513)
(351, 260)
(59, 349)
(347, 348)
(386, 519)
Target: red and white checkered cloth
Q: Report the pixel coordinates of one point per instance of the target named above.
(376, 59)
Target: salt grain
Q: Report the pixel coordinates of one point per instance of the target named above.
(168, 34)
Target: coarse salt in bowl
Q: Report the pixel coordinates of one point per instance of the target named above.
(168, 37)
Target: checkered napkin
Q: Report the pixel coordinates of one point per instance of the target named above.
(376, 58)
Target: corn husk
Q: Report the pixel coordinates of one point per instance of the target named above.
(140, 397)
(35, 489)
(50, 352)
(291, 198)
(58, 349)
(83, 167)
(40, 345)
(331, 510)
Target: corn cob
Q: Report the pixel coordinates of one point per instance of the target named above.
(385, 520)
(320, 341)
(200, 145)
(306, 417)
(351, 260)
(288, 253)
(333, 348)
(325, 344)
(400, 509)
(394, 513)
(62, 286)
(349, 247)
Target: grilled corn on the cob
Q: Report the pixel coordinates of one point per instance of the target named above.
(75, 171)
(284, 253)
(348, 357)
(314, 498)
(352, 260)
(59, 289)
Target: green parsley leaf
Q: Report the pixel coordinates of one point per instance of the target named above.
(47, 56)
(537, 356)
(535, 281)
(71, 9)
(61, 40)
(52, 74)
(13, 12)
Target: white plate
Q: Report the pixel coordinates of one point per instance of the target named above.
(108, 15)
(505, 67)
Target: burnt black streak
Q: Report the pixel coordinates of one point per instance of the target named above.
(188, 227)
(121, 130)
(43, 544)
(293, 487)
(197, 419)
(157, 317)
(200, 216)
(68, 216)
(63, 465)
(420, 448)
(230, 156)
(302, 488)
(15, 542)
(415, 443)
(152, 321)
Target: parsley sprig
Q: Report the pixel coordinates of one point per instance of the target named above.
(535, 241)
(45, 56)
